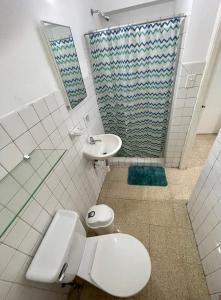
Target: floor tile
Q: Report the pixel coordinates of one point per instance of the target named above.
(112, 189)
(164, 244)
(118, 174)
(180, 192)
(196, 283)
(181, 214)
(141, 232)
(168, 281)
(129, 211)
(162, 213)
(153, 193)
(188, 246)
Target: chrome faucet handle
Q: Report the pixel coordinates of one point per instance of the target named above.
(62, 273)
(92, 141)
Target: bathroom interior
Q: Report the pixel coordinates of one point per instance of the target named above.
(110, 149)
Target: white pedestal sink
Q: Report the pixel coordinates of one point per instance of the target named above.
(106, 145)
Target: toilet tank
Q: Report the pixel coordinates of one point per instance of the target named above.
(62, 245)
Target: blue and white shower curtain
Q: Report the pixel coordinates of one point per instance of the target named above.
(134, 70)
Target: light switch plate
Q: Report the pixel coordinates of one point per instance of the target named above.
(190, 81)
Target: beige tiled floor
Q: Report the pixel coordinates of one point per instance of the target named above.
(158, 217)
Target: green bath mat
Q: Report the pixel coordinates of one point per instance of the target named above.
(147, 175)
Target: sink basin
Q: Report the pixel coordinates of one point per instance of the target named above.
(109, 145)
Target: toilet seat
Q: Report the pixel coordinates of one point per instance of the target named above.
(121, 265)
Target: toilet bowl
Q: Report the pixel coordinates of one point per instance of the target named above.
(117, 263)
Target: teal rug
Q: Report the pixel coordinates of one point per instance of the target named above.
(147, 175)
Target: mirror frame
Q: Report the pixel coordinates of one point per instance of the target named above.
(54, 63)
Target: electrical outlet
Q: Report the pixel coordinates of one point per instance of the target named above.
(190, 81)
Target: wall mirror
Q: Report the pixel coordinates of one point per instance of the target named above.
(63, 54)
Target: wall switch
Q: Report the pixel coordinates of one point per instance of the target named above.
(190, 81)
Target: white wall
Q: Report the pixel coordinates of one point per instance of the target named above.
(152, 10)
(204, 210)
(114, 5)
(140, 14)
(25, 73)
(210, 119)
(200, 29)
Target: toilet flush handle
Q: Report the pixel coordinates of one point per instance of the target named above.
(62, 273)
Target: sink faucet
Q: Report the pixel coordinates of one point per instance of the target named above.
(92, 141)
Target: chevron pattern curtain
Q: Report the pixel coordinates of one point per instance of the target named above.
(67, 61)
(134, 71)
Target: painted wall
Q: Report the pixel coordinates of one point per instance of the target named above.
(140, 14)
(210, 120)
(25, 72)
(200, 29)
(204, 209)
(114, 5)
(153, 10)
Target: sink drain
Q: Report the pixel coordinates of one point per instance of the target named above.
(104, 152)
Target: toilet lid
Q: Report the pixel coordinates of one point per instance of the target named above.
(121, 265)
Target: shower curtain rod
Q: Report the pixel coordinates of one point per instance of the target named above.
(132, 24)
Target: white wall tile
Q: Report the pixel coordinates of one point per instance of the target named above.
(215, 296)
(17, 234)
(38, 132)
(42, 221)
(205, 213)
(9, 187)
(26, 143)
(3, 172)
(14, 266)
(55, 139)
(31, 212)
(57, 117)
(51, 205)
(29, 116)
(14, 125)
(208, 224)
(18, 200)
(51, 102)
(10, 157)
(63, 188)
(192, 92)
(4, 138)
(42, 195)
(212, 262)
(4, 289)
(30, 242)
(213, 282)
(184, 101)
(41, 109)
(49, 124)
(6, 254)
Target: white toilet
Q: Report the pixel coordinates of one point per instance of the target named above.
(117, 263)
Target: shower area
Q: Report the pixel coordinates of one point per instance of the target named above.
(134, 69)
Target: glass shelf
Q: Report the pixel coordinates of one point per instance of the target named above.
(18, 187)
